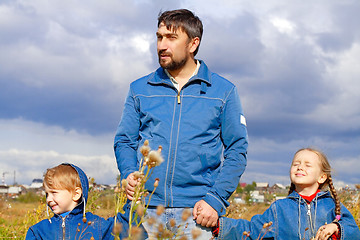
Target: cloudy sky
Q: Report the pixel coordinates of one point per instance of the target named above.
(65, 68)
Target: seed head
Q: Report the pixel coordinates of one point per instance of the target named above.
(195, 233)
(185, 214)
(124, 183)
(160, 210)
(151, 221)
(145, 149)
(140, 210)
(156, 183)
(137, 175)
(167, 234)
(160, 228)
(155, 159)
(136, 232)
(117, 229)
(172, 222)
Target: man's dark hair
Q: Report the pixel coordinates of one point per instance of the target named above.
(183, 19)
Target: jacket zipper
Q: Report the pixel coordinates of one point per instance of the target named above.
(178, 98)
(311, 223)
(63, 228)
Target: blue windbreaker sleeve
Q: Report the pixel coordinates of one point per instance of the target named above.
(30, 235)
(107, 228)
(348, 226)
(235, 228)
(126, 138)
(235, 141)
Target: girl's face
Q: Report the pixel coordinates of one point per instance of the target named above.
(60, 200)
(306, 173)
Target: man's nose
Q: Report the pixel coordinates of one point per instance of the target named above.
(162, 44)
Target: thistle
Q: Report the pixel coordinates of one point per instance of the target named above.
(149, 160)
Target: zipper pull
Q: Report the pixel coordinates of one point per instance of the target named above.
(308, 211)
(178, 98)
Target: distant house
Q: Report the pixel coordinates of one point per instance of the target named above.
(36, 183)
(278, 188)
(242, 185)
(239, 200)
(4, 189)
(257, 197)
(262, 187)
(14, 191)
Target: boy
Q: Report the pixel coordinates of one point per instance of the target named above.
(66, 188)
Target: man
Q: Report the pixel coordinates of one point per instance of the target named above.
(195, 115)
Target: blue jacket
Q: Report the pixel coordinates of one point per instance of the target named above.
(72, 226)
(291, 217)
(194, 127)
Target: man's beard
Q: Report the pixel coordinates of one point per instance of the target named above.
(172, 65)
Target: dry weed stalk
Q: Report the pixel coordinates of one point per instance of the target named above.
(149, 160)
(266, 228)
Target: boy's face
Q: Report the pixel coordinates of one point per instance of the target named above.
(61, 200)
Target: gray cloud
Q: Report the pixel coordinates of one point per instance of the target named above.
(67, 66)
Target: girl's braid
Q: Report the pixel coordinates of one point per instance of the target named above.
(335, 196)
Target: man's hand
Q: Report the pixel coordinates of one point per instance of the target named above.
(326, 231)
(204, 214)
(130, 187)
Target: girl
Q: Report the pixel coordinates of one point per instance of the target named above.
(307, 213)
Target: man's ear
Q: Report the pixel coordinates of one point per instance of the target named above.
(194, 44)
(322, 178)
(77, 194)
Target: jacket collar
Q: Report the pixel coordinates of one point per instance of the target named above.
(321, 194)
(160, 77)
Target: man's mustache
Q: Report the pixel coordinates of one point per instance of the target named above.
(163, 52)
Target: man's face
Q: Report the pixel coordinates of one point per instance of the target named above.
(172, 47)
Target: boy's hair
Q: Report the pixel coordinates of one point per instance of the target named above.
(325, 168)
(63, 176)
(183, 19)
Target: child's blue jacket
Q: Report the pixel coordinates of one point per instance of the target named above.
(292, 218)
(72, 226)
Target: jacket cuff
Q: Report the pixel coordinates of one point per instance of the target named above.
(216, 203)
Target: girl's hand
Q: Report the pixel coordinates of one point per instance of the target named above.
(326, 231)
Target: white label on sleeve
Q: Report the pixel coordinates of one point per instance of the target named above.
(242, 120)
